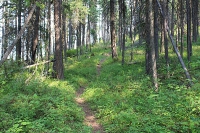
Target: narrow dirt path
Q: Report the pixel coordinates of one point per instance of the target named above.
(90, 119)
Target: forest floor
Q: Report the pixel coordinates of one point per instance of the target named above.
(100, 95)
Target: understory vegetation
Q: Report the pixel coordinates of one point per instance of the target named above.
(122, 97)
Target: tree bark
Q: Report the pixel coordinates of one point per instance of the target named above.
(152, 46)
(18, 46)
(49, 33)
(70, 33)
(189, 41)
(112, 29)
(182, 25)
(165, 11)
(147, 48)
(35, 35)
(123, 30)
(172, 19)
(120, 32)
(156, 30)
(58, 64)
(83, 38)
(194, 20)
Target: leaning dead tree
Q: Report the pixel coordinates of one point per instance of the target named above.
(175, 48)
(18, 36)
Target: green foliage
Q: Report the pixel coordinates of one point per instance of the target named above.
(122, 96)
(71, 53)
(43, 105)
(94, 34)
(76, 11)
(40, 4)
(124, 100)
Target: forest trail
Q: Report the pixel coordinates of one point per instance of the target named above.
(90, 119)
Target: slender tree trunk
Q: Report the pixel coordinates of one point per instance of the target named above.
(131, 23)
(156, 42)
(28, 40)
(120, 25)
(2, 33)
(189, 41)
(139, 19)
(79, 38)
(165, 10)
(88, 33)
(48, 49)
(83, 37)
(112, 29)
(18, 46)
(58, 64)
(70, 33)
(123, 30)
(194, 19)
(197, 17)
(152, 46)
(182, 25)
(35, 35)
(6, 29)
(148, 48)
(162, 42)
(172, 18)
(131, 29)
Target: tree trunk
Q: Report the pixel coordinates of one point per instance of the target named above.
(148, 48)
(78, 39)
(123, 30)
(194, 19)
(88, 33)
(131, 30)
(182, 25)
(18, 46)
(152, 46)
(70, 33)
(172, 19)
(112, 29)
(156, 30)
(165, 11)
(48, 49)
(58, 64)
(83, 37)
(189, 41)
(120, 25)
(35, 35)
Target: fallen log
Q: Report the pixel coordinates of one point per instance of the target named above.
(37, 64)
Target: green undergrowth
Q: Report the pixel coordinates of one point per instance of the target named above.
(40, 105)
(123, 96)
